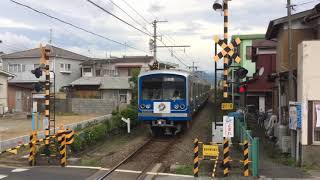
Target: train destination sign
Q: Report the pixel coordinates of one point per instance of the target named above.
(226, 106)
(210, 150)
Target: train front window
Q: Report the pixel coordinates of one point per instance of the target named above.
(167, 87)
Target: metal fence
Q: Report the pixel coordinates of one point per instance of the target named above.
(243, 134)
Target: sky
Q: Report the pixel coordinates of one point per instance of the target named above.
(190, 22)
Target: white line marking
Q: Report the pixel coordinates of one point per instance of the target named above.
(3, 176)
(19, 170)
(169, 174)
(86, 167)
(128, 171)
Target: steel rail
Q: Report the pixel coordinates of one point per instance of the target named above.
(126, 159)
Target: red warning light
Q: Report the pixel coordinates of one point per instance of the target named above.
(242, 89)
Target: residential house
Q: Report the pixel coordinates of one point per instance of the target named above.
(107, 79)
(305, 27)
(65, 65)
(4, 76)
(245, 53)
(259, 87)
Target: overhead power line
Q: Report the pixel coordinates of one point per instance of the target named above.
(76, 26)
(133, 19)
(136, 11)
(108, 12)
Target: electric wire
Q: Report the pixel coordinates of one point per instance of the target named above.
(145, 20)
(142, 17)
(108, 12)
(136, 21)
(76, 26)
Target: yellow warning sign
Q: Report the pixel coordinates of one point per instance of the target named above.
(210, 150)
(226, 106)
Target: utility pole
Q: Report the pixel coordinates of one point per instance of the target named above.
(291, 94)
(50, 38)
(193, 67)
(291, 86)
(154, 23)
(154, 43)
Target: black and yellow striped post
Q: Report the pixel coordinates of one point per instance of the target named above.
(32, 150)
(214, 168)
(44, 60)
(62, 149)
(69, 136)
(245, 158)
(226, 164)
(196, 158)
(226, 59)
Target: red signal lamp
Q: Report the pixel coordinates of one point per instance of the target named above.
(242, 89)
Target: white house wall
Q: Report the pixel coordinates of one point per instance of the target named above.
(3, 90)
(308, 80)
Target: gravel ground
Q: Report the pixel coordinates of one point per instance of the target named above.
(114, 149)
(14, 126)
(182, 152)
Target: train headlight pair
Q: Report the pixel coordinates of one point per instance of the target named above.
(143, 106)
(177, 106)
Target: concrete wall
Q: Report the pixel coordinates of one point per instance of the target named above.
(3, 90)
(86, 106)
(310, 155)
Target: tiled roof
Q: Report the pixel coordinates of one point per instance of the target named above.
(103, 82)
(55, 52)
(87, 81)
(115, 83)
(124, 59)
(6, 73)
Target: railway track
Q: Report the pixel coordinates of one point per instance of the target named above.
(141, 160)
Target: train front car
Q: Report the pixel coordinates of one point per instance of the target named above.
(163, 100)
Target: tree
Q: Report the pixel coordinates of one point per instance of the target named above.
(134, 83)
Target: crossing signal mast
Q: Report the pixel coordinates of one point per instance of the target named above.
(49, 122)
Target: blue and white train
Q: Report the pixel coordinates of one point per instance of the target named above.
(169, 98)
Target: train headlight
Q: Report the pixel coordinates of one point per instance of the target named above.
(142, 106)
(176, 106)
(148, 106)
(182, 106)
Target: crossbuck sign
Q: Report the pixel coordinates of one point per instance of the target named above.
(228, 127)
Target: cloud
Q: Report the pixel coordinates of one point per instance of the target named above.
(9, 23)
(156, 8)
(190, 22)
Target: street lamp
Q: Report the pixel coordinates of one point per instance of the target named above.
(217, 5)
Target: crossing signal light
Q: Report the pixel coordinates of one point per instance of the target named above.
(241, 72)
(37, 72)
(38, 87)
(242, 88)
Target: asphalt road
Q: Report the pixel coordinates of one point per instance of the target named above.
(45, 173)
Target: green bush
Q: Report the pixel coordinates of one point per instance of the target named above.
(78, 144)
(94, 133)
(132, 113)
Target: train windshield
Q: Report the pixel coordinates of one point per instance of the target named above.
(164, 87)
